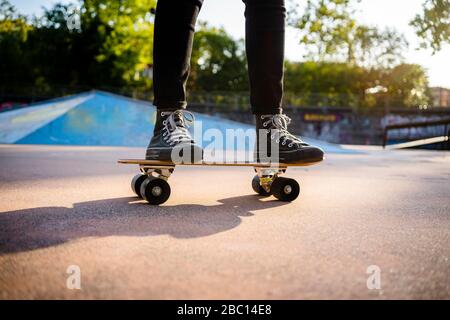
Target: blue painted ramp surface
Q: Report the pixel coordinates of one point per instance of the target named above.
(18, 124)
(103, 119)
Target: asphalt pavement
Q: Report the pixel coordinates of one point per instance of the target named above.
(382, 216)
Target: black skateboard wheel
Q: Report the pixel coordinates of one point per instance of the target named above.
(285, 189)
(136, 184)
(155, 190)
(256, 185)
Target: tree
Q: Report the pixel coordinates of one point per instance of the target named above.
(330, 31)
(14, 33)
(52, 49)
(371, 47)
(124, 30)
(334, 84)
(324, 25)
(330, 84)
(218, 61)
(114, 42)
(433, 24)
(407, 85)
(112, 47)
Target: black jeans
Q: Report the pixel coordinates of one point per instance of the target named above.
(173, 37)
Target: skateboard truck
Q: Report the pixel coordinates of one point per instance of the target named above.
(162, 173)
(268, 175)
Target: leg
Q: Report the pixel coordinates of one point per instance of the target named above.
(265, 24)
(173, 37)
(265, 31)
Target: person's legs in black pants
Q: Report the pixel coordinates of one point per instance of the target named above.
(172, 48)
(264, 38)
(173, 38)
(265, 34)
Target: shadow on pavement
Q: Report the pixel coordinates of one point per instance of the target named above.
(35, 228)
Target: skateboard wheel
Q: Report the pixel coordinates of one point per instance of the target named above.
(285, 189)
(136, 184)
(256, 185)
(155, 190)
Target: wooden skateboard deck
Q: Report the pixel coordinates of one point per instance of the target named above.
(215, 164)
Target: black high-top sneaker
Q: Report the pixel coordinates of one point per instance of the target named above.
(272, 134)
(171, 132)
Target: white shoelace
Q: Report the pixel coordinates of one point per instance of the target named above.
(176, 130)
(280, 122)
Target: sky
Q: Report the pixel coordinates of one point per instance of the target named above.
(382, 13)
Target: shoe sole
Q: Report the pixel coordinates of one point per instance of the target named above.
(286, 160)
(165, 154)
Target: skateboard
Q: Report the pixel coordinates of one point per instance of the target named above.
(151, 184)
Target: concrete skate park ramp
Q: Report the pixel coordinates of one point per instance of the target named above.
(100, 119)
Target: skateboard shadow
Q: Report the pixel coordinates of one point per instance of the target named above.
(35, 228)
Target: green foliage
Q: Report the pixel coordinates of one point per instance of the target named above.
(433, 24)
(14, 32)
(325, 25)
(218, 61)
(113, 47)
(330, 32)
(407, 85)
(331, 84)
(52, 50)
(326, 83)
(125, 29)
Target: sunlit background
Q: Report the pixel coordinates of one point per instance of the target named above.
(348, 80)
(381, 13)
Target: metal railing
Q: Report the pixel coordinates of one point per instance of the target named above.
(420, 137)
(218, 99)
